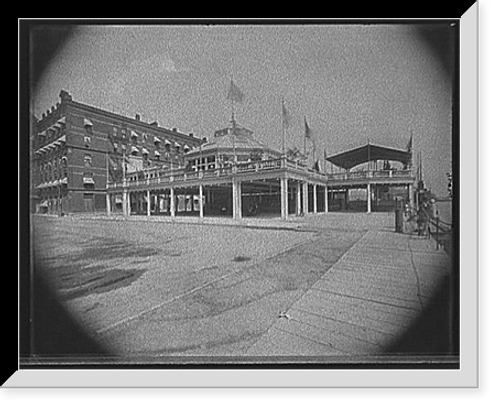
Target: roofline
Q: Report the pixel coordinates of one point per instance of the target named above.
(133, 120)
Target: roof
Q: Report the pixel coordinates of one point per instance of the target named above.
(224, 141)
(369, 152)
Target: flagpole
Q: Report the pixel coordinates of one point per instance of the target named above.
(305, 139)
(283, 126)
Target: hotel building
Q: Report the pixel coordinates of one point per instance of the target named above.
(77, 149)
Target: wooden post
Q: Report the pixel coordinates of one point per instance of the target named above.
(284, 197)
(200, 200)
(298, 208)
(368, 198)
(236, 199)
(172, 202)
(315, 198)
(108, 204)
(326, 198)
(305, 197)
(148, 204)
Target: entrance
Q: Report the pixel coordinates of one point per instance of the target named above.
(88, 202)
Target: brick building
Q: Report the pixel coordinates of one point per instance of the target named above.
(78, 148)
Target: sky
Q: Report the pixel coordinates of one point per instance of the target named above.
(353, 83)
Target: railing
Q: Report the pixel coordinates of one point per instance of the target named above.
(357, 175)
(436, 228)
(146, 177)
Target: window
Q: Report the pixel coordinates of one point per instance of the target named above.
(87, 160)
(115, 132)
(87, 140)
(87, 124)
(88, 178)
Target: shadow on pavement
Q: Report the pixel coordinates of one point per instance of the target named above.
(436, 331)
(54, 335)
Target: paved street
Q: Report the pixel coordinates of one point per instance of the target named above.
(324, 285)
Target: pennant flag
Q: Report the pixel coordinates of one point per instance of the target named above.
(235, 94)
(409, 146)
(308, 132)
(285, 115)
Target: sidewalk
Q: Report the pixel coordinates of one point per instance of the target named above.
(364, 303)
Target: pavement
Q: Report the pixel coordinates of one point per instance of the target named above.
(320, 287)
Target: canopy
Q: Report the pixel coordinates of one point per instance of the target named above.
(369, 152)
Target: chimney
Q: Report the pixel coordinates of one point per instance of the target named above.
(65, 96)
(137, 117)
(174, 129)
(191, 134)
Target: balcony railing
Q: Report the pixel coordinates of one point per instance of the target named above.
(363, 175)
(162, 175)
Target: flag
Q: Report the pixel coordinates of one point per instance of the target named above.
(235, 94)
(409, 146)
(285, 115)
(308, 132)
(115, 171)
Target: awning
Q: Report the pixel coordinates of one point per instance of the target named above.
(43, 133)
(87, 123)
(62, 139)
(157, 154)
(145, 151)
(157, 140)
(134, 149)
(62, 120)
(88, 180)
(134, 134)
(187, 148)
(177, 144)
(367, 153)
(44, 204)
(167, 142)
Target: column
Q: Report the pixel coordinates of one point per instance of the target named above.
(148, 204)
(236, 199)
(108, 203)
(326, 198)
(298, 207)
(368, 198)
(411, 196)
(305, 197)
(128, 203)
(124, 202)
(284, 197)
(315, 198)
(200, 200)
(172, 202)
